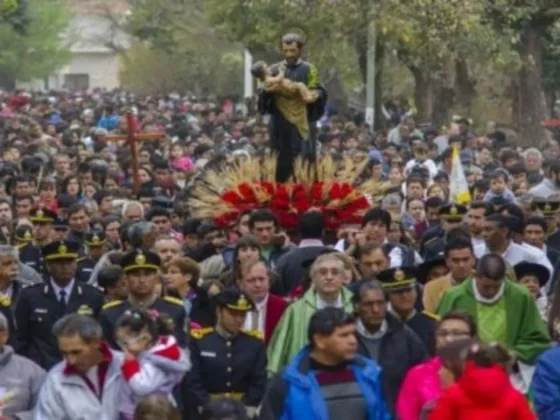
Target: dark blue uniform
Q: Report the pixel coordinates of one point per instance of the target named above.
(174, 308)
(31, 256)
(233, 367)
(85, 269)
(424, 325)
(38, 309)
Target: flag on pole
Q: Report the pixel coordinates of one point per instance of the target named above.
(458, 186)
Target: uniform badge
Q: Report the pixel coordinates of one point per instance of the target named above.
(140, 259)
(40, 214)
(62, 249)
(85, 310)
(399, 275)
(547, 207)
(242, 302)
(453, 211)
(95, 239)
(27, 235)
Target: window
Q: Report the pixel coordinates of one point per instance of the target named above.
(76, 81)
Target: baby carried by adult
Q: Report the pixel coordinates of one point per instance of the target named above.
(280, 84)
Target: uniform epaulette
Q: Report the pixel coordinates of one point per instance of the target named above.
(20, 246)
(254, 333)
(112, 304)
(431, 315)
(199, 333)
(80, 259)
(171, 299)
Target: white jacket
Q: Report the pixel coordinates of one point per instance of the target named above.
(156, 371)
(67, 397)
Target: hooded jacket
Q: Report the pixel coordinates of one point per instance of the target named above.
(482, 393)
(20, 383)
(157, 371)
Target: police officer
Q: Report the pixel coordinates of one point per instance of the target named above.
(60, 226)
(95, 241)
(451, 216)
(30, 254)
(142, 275)
(400, 285)
(227, 361)
(41, 305)
(23, 235)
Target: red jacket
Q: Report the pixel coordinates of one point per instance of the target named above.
(482, 394)
(275, 307)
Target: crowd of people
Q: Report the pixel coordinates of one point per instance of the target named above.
(125, 303)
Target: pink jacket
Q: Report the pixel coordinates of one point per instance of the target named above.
(421, 386)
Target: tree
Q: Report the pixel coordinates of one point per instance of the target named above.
(530, 22)
(180, 51)
(16, 13)
(38, 52)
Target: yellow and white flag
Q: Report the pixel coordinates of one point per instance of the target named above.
(458, 187)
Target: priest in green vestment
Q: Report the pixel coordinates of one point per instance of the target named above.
(327, 290)
(504, 311)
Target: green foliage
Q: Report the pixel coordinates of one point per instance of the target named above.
(39, 51)
(151, 70)
(16, 13)
(180, 50)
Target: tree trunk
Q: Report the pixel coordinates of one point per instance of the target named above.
(380, 121)
(444, 95)
(531, 102)
(464, 86)
(422, 94)
(337, 93)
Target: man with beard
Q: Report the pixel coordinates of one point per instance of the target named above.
(291, 136)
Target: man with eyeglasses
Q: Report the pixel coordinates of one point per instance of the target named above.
(327, 291)
(381, 337)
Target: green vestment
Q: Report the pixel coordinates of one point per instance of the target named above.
(290, 335)
(527, 335)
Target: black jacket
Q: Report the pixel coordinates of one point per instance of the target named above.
(291, 270)
(400, 350)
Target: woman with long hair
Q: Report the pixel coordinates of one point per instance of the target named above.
(247, 248)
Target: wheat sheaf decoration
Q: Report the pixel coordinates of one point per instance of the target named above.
(332, 187)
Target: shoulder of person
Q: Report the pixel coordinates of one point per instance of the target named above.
(201, 333)
(253, 334)
(431, 316)
(174, 301)
(112, 304)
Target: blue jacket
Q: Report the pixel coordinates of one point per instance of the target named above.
(546, 385)
(304, 400)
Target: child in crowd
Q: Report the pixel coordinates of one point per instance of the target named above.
(478, 385)
(153, 361)
(499, 188)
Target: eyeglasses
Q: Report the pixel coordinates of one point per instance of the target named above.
(452, 334)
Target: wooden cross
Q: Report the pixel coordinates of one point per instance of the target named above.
(132, 139)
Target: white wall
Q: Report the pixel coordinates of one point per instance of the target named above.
(103, 69)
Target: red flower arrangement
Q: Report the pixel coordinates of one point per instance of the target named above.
(341, 204)
(326, 186)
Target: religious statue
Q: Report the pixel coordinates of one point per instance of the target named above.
(292, 95)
